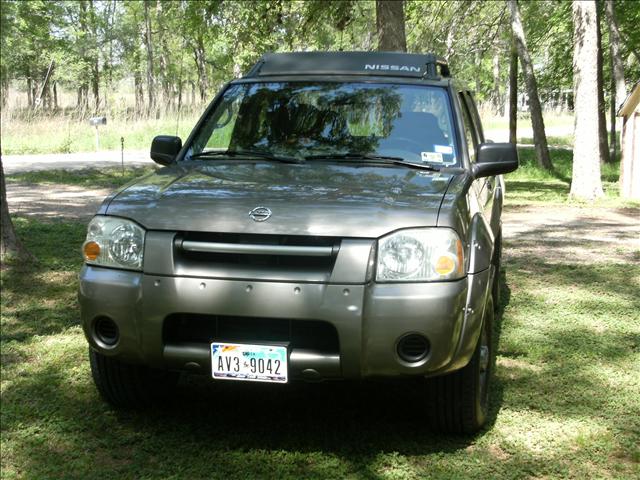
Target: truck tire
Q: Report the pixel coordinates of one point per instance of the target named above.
(128, 386)
(496, 261)
(461, 399)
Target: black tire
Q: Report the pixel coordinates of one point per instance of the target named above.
(461, 398)
(128, 386)
(496, 261)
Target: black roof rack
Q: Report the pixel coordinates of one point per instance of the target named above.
(395, 64)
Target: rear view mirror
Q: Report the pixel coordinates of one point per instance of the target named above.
(164, 149)
(495, 159)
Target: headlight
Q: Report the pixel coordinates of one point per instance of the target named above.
(420, 255)
(114, 242)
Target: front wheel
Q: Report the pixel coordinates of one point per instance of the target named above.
(125, 385)
(461, 398)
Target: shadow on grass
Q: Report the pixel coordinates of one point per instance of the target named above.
(40, 298)
(68, 428)
(108, 177)
(58, 427)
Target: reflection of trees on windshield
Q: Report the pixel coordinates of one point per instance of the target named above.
(299, 119)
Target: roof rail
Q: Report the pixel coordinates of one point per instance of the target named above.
(433, 63)
(395, 64)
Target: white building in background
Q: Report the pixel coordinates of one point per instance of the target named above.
(630, 143)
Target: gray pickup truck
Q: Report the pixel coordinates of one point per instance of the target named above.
(331, 216)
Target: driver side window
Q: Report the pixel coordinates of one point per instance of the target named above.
(469, 132)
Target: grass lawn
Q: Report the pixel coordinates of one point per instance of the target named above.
(66, 135)
(565, 399)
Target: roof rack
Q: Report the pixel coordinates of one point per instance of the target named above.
(433, 63)
(397, 64)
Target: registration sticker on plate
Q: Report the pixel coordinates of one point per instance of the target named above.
(253, 363)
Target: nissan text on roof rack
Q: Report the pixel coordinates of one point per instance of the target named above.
(331, 216)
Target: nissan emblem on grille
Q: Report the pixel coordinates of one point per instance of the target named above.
(260, 214)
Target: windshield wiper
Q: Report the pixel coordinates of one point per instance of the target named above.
(245, 153)
(369, 158)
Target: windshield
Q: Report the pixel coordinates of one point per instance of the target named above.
(311, 120)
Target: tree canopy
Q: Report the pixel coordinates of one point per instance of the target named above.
(169, 49)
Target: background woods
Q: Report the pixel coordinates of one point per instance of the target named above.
(141, 58)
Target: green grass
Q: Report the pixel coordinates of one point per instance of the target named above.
(66, 135)
(564, 402)
(91, 178)
(492, 122)
(533, 185)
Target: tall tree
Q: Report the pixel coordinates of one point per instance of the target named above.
(537, 122)
(148, 42)
(10, 244)
(586, 183)
(605, 157)
(390, 26)
(619, 92)
(513, 93)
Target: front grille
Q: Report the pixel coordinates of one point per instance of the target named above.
(265, 264)
(303, 334)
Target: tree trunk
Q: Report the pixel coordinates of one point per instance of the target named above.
(162, 56)
(513, 93)
(83, 89)
(537, 122)
(618, 90)
(139, 93)
(585, 183)
(497, 98)
(390, 26)
(4, 87)
(605, 157)
(29, 91)
(201, 67)
(10, 245)
(95, 83)
(151, 91)
(55, 95)
(95, 58)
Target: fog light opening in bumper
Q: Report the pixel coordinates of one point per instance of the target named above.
(413, 348)
(106, 332)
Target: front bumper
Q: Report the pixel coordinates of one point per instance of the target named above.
(369, 319)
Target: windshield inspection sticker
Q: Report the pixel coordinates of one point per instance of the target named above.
(434, 157)
(446, 149)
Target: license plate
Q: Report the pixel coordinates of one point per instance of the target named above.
(252, 363)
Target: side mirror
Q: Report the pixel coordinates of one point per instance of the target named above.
(495, 159)
(164, 149)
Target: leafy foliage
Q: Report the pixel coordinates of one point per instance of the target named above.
(96, 43)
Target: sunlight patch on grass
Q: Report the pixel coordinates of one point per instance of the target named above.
(539, 433)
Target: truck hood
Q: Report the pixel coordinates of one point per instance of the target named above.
(329, 199)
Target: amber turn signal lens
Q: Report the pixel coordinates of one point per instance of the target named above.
(460, 257)
(91, 250)
(445, 265)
